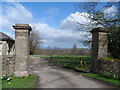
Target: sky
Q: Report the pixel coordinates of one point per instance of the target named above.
(55, 22)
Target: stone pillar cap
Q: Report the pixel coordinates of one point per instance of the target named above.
(99, 29)
(22, 26)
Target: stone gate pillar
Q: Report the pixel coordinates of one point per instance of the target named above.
(22, 32)
(99, 47)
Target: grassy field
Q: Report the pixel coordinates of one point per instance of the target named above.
(77, 63)
(62, 56)
(23, 82)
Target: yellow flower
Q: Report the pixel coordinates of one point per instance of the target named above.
(9, 83)
(26, 77)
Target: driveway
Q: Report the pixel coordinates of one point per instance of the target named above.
(54, 77)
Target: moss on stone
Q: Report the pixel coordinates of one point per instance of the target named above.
(109, 59)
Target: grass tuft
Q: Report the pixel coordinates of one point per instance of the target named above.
(99, 77)
(21, 82)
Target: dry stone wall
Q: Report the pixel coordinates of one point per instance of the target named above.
(8, 64)
(109, 66)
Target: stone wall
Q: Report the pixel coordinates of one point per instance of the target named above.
(3, 48)
(109, 66)
(7, 57)
(0, 65)
(8, 64)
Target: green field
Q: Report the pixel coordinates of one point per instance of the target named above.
(57, 56)
(77, 63)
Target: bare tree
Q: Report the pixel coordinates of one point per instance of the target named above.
(74, 49)
(35, 41)
(98, 17)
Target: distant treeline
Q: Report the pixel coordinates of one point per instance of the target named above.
(63, 51)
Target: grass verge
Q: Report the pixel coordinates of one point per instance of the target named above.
(21, 82)
(72, 64)
(97, 76)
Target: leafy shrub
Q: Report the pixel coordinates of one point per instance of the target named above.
(6, 78)
(114, 42)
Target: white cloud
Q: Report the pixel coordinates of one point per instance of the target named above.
(57, 37)
(110, 12)
(77, 21)
(19, 13)
(14, 13)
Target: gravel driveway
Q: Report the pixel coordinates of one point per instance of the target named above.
(54, 77)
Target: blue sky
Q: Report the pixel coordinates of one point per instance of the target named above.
(57, 10)
(54, 21)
